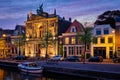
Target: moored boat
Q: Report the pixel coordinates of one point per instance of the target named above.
(30, 67)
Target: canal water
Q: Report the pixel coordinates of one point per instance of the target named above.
(6, 74)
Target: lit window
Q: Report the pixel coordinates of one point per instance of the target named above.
(106, 31)
(73, 40)
(98, 31)
(66, 40)
(102, 40)
(110, 40)
(78, 50)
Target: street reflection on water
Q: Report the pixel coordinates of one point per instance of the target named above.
(16, 75)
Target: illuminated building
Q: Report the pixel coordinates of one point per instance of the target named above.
(117, 35)
(72, 46)
(37, 26)
(17, 41)
(103, 41)
(5, 43)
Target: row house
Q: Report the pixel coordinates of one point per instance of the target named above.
(10, 41)
(71, 45)
(103, 41)
(106, 39)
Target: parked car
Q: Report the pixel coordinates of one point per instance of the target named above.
(56, 58)
(20, 57)
(96, 59)
(72, 58)
(115, 60)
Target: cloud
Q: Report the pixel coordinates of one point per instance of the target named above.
(88, 10)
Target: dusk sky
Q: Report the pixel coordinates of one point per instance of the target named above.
(14, 12)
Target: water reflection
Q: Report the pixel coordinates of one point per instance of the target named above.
(15, 75)
(26, 76)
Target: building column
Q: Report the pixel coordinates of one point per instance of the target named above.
(107, 52)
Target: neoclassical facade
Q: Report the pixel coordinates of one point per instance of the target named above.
(37, 26)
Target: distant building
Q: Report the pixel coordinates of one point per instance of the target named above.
(69, 41)
(18, 41)
(37, 26)
(5, 42)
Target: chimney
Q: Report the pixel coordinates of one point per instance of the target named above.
(27, 16)
(54, 11)
(70, 19)
(63, 18)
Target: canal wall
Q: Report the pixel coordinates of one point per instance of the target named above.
(9, 64)
(96, 71)
(89, 70)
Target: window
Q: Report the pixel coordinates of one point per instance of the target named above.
(73, 40)
(111, 48)
(71, 50)
(102, 40)
(40, 33)
(66, 40)
(110, 40)
(118, 51)
(78, 50)
(106, 31)
(98, 31)
(73, 29)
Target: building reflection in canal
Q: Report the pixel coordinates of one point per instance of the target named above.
(16, 75)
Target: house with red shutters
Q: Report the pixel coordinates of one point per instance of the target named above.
(71, 45)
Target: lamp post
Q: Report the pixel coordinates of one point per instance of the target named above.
(46, 41)
(46, 55)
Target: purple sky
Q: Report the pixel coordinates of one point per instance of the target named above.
(14, 12)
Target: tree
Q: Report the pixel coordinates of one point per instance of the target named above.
(47, 39)
(85, 38)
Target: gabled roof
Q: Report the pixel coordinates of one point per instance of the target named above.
(79, 27)
(62, 26)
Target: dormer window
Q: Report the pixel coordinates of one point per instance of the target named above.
(73, 29)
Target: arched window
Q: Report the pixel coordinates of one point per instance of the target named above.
(40, 31)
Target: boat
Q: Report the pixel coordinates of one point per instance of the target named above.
(30, 67)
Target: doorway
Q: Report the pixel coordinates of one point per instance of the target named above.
(100, 51)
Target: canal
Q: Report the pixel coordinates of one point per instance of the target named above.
(6, 74)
